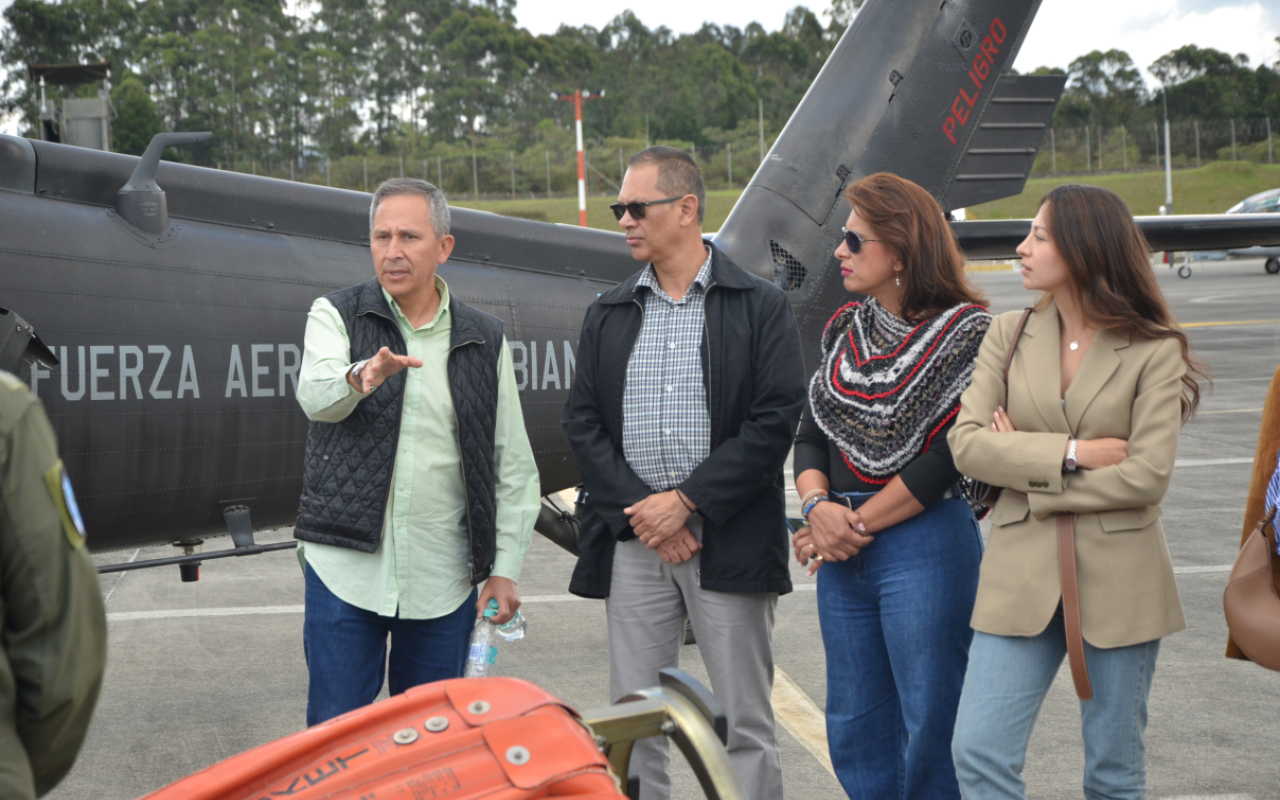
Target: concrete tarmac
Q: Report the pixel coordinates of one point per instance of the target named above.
(200, 672)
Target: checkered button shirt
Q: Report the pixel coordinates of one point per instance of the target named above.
(666, 428)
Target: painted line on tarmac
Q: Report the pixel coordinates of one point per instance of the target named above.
(238, 611)
(1200, 570)
(801, 717)
(1229, 323)
(1257, 410)
(180, 613)
(1209, 797)
(1209, 462)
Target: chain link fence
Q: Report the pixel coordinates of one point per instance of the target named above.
(1142, 147)
(540, 172)
(537, 172)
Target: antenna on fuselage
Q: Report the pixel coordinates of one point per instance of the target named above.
(140, 202)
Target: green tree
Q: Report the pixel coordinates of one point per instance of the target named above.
(136, 120)
(1206, 83)
(1109, 83)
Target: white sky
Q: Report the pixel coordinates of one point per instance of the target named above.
(1062, 30)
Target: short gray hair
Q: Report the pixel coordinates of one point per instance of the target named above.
(678, 173)
(435, 201)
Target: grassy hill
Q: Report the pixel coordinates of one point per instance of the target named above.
(1211, 189)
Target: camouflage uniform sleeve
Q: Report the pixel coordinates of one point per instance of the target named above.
(54, 624)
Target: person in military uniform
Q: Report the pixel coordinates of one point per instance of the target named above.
(53, 643)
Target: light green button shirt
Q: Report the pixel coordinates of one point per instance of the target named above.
(420, 568)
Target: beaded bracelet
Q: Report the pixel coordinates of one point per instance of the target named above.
(810, 506)
(804, 501)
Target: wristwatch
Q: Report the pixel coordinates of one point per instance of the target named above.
(355, 373)
(1069, 463)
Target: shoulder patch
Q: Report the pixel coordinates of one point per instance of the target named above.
(65, 499)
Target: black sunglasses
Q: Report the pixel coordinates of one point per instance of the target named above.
(637, 210)
(854, 241)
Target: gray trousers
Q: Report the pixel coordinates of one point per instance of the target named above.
(647, 605)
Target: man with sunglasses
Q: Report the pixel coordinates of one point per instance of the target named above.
(688, 391)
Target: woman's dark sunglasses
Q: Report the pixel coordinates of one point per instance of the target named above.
(853, 241)
(637, 210)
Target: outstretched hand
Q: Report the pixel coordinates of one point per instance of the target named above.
(383, 366)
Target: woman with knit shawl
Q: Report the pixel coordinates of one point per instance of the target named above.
(898, 546)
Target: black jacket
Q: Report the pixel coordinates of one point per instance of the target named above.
(346, 478)
(754, 374)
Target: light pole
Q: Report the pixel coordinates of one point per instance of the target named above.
(576, 98)
(1168, 160)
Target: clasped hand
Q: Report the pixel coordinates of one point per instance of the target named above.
(661, 522)
(1090, 453)
(835, 533)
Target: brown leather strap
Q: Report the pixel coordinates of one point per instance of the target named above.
(1013, 345)
(1071, 604)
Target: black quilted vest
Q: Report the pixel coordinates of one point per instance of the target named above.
(346, 480)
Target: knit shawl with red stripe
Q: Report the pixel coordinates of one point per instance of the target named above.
(886, 387)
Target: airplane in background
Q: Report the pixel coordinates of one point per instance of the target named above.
(158, 309)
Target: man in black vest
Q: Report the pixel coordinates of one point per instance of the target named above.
(400, 522)
(689, 388)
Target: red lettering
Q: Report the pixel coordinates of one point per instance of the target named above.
(989, 49)
(999, 34)
(981, 71)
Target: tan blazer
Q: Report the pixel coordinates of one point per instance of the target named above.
(1124, 389)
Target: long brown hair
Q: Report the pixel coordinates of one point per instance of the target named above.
(1109, 269)
(907, 220)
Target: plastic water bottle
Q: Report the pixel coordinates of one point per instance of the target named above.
(513, 629)
(483, 651)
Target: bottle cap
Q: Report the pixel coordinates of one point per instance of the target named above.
(492, 609)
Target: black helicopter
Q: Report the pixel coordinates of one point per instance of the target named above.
(158, 309)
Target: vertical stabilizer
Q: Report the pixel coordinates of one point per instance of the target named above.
(904, 91)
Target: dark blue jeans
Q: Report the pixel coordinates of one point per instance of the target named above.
(895, 624)
(346, 650)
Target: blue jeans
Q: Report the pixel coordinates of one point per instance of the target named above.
(346, 650)
(895, 624)
(1007, 681)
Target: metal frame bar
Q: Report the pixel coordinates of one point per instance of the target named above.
(685, 711)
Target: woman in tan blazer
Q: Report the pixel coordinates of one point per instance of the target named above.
(1086, 428)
